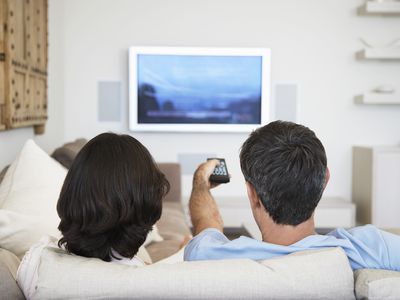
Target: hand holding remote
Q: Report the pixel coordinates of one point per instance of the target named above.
(220, 173)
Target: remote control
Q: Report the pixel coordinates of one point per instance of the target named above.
(220, 173)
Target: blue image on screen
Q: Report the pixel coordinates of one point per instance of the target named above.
(199, 89)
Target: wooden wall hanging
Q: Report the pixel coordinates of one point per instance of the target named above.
(23, 64)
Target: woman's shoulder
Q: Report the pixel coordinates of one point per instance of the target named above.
(27, 271)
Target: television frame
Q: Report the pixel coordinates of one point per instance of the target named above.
(264, 53)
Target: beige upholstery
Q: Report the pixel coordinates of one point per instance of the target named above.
(172, 225)
(65, 154)
(172, 172)
(8, 269)
(3, 173)
(9, 260)
(324, 274)
(377, 284)
(173, 228)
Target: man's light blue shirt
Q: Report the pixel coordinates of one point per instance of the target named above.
(366, 247)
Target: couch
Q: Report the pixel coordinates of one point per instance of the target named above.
(322, 274)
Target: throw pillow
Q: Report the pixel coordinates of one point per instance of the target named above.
(28, 199)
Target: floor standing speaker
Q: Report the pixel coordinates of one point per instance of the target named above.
(285, 102)
(109, 101)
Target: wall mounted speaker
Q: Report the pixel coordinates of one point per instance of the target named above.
(190, 161)
(285, 103)
(109, 101)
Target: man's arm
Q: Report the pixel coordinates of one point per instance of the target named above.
(203, 209)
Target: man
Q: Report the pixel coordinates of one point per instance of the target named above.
(285, 168)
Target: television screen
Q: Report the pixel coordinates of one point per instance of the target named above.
(192, 89)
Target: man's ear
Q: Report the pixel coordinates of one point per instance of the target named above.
(252, 195)
(327, 176)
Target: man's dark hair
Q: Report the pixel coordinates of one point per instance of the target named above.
(286, 164)
(111, 198)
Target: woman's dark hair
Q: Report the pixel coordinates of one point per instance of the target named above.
(286, 163)
(111, 198)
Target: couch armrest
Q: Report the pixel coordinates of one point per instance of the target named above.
(8, 269)
(377, 284)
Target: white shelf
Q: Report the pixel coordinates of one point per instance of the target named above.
(380, 99)
(380, 8)
(379, 53)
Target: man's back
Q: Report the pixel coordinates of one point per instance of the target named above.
(366, 247)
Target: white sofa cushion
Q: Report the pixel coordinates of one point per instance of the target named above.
(377, 284)
(324, 274)
(28, 199)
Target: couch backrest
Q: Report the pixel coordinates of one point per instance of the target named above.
(172, 172)
(323, 274)
(65, 154)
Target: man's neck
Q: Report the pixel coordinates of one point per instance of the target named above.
(286, 234)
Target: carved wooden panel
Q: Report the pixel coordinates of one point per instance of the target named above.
(2, 65)
(24, 67)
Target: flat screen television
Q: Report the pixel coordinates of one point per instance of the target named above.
(198, 89)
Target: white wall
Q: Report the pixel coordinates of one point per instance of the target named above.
(12, 141)
(313, 43)
(54, 134)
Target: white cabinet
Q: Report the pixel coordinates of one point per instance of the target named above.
(331, 212)
(376, 185)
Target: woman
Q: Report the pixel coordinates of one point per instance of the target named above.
(110, 200)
